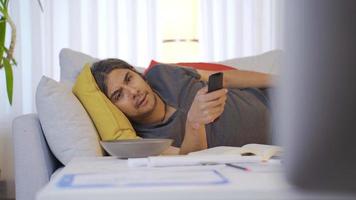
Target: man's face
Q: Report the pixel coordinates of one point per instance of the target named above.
(130, 93)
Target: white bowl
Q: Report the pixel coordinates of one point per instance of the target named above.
(136, 148)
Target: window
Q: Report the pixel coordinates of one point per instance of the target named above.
(178, 25)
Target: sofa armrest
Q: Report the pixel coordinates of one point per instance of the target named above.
(34, 162)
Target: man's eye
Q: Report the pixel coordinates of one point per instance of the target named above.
(128, 79)
(118, 96)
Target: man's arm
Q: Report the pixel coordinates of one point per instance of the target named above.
(194, 140)
(240, 78)
(206, 107)
(171, 150)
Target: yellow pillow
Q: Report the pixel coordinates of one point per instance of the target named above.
(110, 122)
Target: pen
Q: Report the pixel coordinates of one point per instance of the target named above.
(237, 167)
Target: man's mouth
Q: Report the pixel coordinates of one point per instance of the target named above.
(142, 101)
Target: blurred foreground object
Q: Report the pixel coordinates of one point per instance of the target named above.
(317, 100)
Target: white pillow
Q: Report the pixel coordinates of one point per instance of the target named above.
(268, 62)
(66, 125)
(72, 63)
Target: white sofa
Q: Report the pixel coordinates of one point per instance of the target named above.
(34, 161)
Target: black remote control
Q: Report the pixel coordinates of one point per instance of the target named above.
(215, 82)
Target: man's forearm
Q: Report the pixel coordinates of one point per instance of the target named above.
(240, 78)
(194, 139)
(246, 79)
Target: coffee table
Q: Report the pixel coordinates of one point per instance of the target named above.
(109, 178)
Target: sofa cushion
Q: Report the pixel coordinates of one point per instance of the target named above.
(72, 62)
(196, 65)
(110, 122)
(268, 62)
(66, 125)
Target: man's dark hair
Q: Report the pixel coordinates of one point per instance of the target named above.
(102, 68)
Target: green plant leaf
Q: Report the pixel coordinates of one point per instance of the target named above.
(2, 39)
(3, 11)
(9, 79)
(2, 2)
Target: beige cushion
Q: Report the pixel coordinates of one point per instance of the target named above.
(66, 125)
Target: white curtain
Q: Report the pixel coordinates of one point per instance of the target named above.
(126, 29)
(236, 28)
(108, 28)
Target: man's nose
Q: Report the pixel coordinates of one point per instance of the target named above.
(131, 91)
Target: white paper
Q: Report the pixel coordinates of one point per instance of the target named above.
(168, 161)
(272, 165)
(141, 178)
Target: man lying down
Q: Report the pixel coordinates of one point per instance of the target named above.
(173, 102)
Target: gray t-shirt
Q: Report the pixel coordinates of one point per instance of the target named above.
(245, 118)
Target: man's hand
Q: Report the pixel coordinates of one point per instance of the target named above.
(206, 107)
